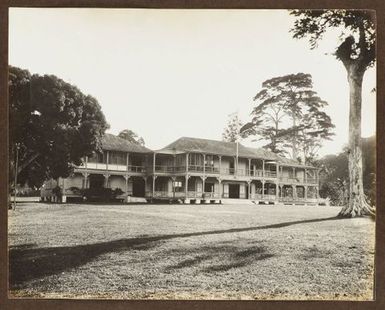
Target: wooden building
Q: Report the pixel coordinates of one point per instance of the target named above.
(195, 170)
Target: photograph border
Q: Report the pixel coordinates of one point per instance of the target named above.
(31, 304)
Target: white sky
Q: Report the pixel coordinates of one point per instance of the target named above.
(171, 73)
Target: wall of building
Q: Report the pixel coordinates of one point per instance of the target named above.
(117, 181)
(225, 163)
(300, 173)
(76, 180)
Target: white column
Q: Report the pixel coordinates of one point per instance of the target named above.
(186, 185)
(294, 192)
(106, 177)
(305, 192)
(263, 167)
(204, 166)
(85, 180)
(276, 191)
(203, 184)
(107, 159)
(126, 177)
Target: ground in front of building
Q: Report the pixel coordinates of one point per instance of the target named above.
(189, 252)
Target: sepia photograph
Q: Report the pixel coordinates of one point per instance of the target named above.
(179, 154)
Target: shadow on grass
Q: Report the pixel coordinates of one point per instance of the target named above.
(189, 262)
(32, 263)
(242, 258)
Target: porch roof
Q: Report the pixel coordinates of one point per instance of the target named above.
(214, 147)
(111, 142)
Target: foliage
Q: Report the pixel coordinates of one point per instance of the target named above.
(334, 178)
(53, 123)
(231, 132)
(131, 136)
(29, 193)
(101, 194)
(334, 175)
(76, 190)
(97, 194)
(289, 116)
(357, 37)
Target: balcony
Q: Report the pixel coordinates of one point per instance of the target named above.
(113, 167)
(136, 169)
(298, 180)
(270, 174)
(97, 166)
(164, 169)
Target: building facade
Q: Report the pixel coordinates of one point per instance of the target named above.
(192, 170)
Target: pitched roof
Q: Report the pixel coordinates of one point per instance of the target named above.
(111, 142)
(186, 144)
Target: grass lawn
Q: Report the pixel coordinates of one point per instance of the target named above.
(189, 252)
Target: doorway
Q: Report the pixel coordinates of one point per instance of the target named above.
(233, 190)
(138, 187)
(209, 187)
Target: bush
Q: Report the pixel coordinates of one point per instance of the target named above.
(29, 193)
(76, 190)
(101, 194)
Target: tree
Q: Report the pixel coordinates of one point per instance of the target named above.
(316, 126)
(267, 117)
(232, 131)
(289, 115)
(131, 136)
(334, 175)
(357, 53)
(54, 125)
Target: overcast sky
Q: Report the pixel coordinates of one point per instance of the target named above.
(171, 73)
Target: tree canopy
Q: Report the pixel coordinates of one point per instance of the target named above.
(357, 45)
(52, 123)
(131, 136)
(231, 132)
(289, 116)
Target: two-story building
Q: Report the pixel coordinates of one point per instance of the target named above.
(192, 170)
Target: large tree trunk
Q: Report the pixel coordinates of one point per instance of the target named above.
(357, 204)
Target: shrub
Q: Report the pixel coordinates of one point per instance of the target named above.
(101, 194)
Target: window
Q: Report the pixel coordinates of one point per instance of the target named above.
(177, 184)
(209, 160)
(117, 158)
(195, 160)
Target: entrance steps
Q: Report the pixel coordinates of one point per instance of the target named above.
(136, 199)
(230, 201)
